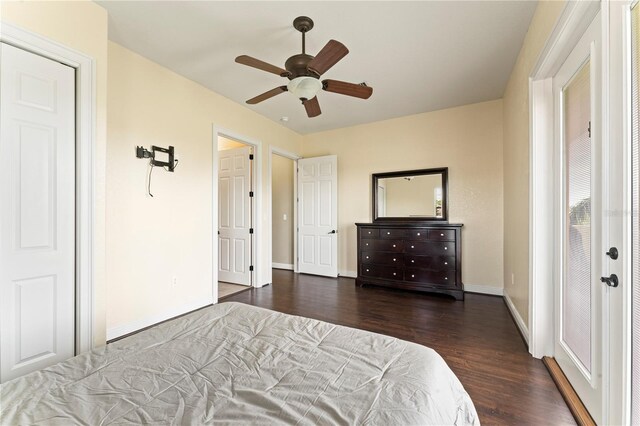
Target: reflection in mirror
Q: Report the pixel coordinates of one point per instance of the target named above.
(410, 195)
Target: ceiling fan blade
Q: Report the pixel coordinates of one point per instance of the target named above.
(266, 95)
(330, 54)
(312, 106)
(349, 89)
(261, 65)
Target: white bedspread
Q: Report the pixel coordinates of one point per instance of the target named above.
(235, 363)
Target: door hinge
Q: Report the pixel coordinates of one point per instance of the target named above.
(251, 268)
(251, 230)
(589, 128)
(250, 193)
(250, 156)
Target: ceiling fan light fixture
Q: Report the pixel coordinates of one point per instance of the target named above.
(304, 87)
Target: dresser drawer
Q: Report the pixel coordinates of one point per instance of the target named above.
(430, 248)
(369, 233)
(417, 234)
(438, 263)
(382, 258)
(382, 272)
(442, 235)
(395, 246)
(392, 233)
(430, 277)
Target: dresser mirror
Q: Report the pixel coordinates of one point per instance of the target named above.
(410, 195)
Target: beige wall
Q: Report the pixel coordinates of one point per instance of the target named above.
(152, 240)
(466, 139)
(282, 191)
(516, 157)
(81, 26)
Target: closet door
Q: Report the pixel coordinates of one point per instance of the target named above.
(37, 212)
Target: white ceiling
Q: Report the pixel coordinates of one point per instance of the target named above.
(418, 56)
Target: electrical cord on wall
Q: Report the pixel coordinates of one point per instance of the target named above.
(149, 184)
(151, 170)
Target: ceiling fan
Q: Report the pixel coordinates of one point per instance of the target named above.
(304, 71)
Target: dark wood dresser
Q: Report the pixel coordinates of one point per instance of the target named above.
(412, 256)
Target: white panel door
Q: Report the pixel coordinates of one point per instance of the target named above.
(234, 216)
(318, 215)
(37, 212)
(579, 342)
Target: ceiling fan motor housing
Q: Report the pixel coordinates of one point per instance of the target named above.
(297, 66)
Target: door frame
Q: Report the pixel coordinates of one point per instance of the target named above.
(572, 23)
(257, 279)
(619, 128)
(290, 155)
(85, 76)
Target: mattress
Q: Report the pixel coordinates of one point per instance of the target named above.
(233, 363)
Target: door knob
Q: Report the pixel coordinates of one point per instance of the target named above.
(611, 281)
(333, 231)
(612, 253)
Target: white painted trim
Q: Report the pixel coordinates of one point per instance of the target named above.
(121, 330)
(574, 20)
(348, 274)
(262, 273)
(518, 319)
(541, 225)
(290, 155)
(287, 266)
(85, 167)
(572, 23)
(483, 289)
(619, 130)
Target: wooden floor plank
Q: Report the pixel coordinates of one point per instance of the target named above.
(477, 338)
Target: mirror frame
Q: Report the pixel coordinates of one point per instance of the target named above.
(444, 171)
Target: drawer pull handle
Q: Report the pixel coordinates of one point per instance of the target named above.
(445, 278)
(368, 271)
(394, 245)
(446, 248)
(366, 244)
(369, 232)
(411, 246)
(446, 263)
(388, 233)
(418, 234)
(368, 257)
(442, 235)
(394, 260)
(413, 276)
(413, 261)
(394, 274)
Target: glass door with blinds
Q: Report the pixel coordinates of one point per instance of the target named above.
(578, 341)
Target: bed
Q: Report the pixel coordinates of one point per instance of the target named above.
(236, 363)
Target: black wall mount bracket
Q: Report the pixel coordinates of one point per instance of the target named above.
(169, 165)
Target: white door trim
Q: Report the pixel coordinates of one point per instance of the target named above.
(258, 277)
(85, 167)
(619, 129)
(572, 23)
(290, 155)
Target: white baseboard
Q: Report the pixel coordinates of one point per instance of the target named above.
(282, 266)
(121, 330)
(484, 289)
(348, 274)
(516, 315)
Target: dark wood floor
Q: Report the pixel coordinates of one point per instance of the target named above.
(477, 338)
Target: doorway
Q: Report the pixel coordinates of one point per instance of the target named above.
(235, 215)
(283, 174)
